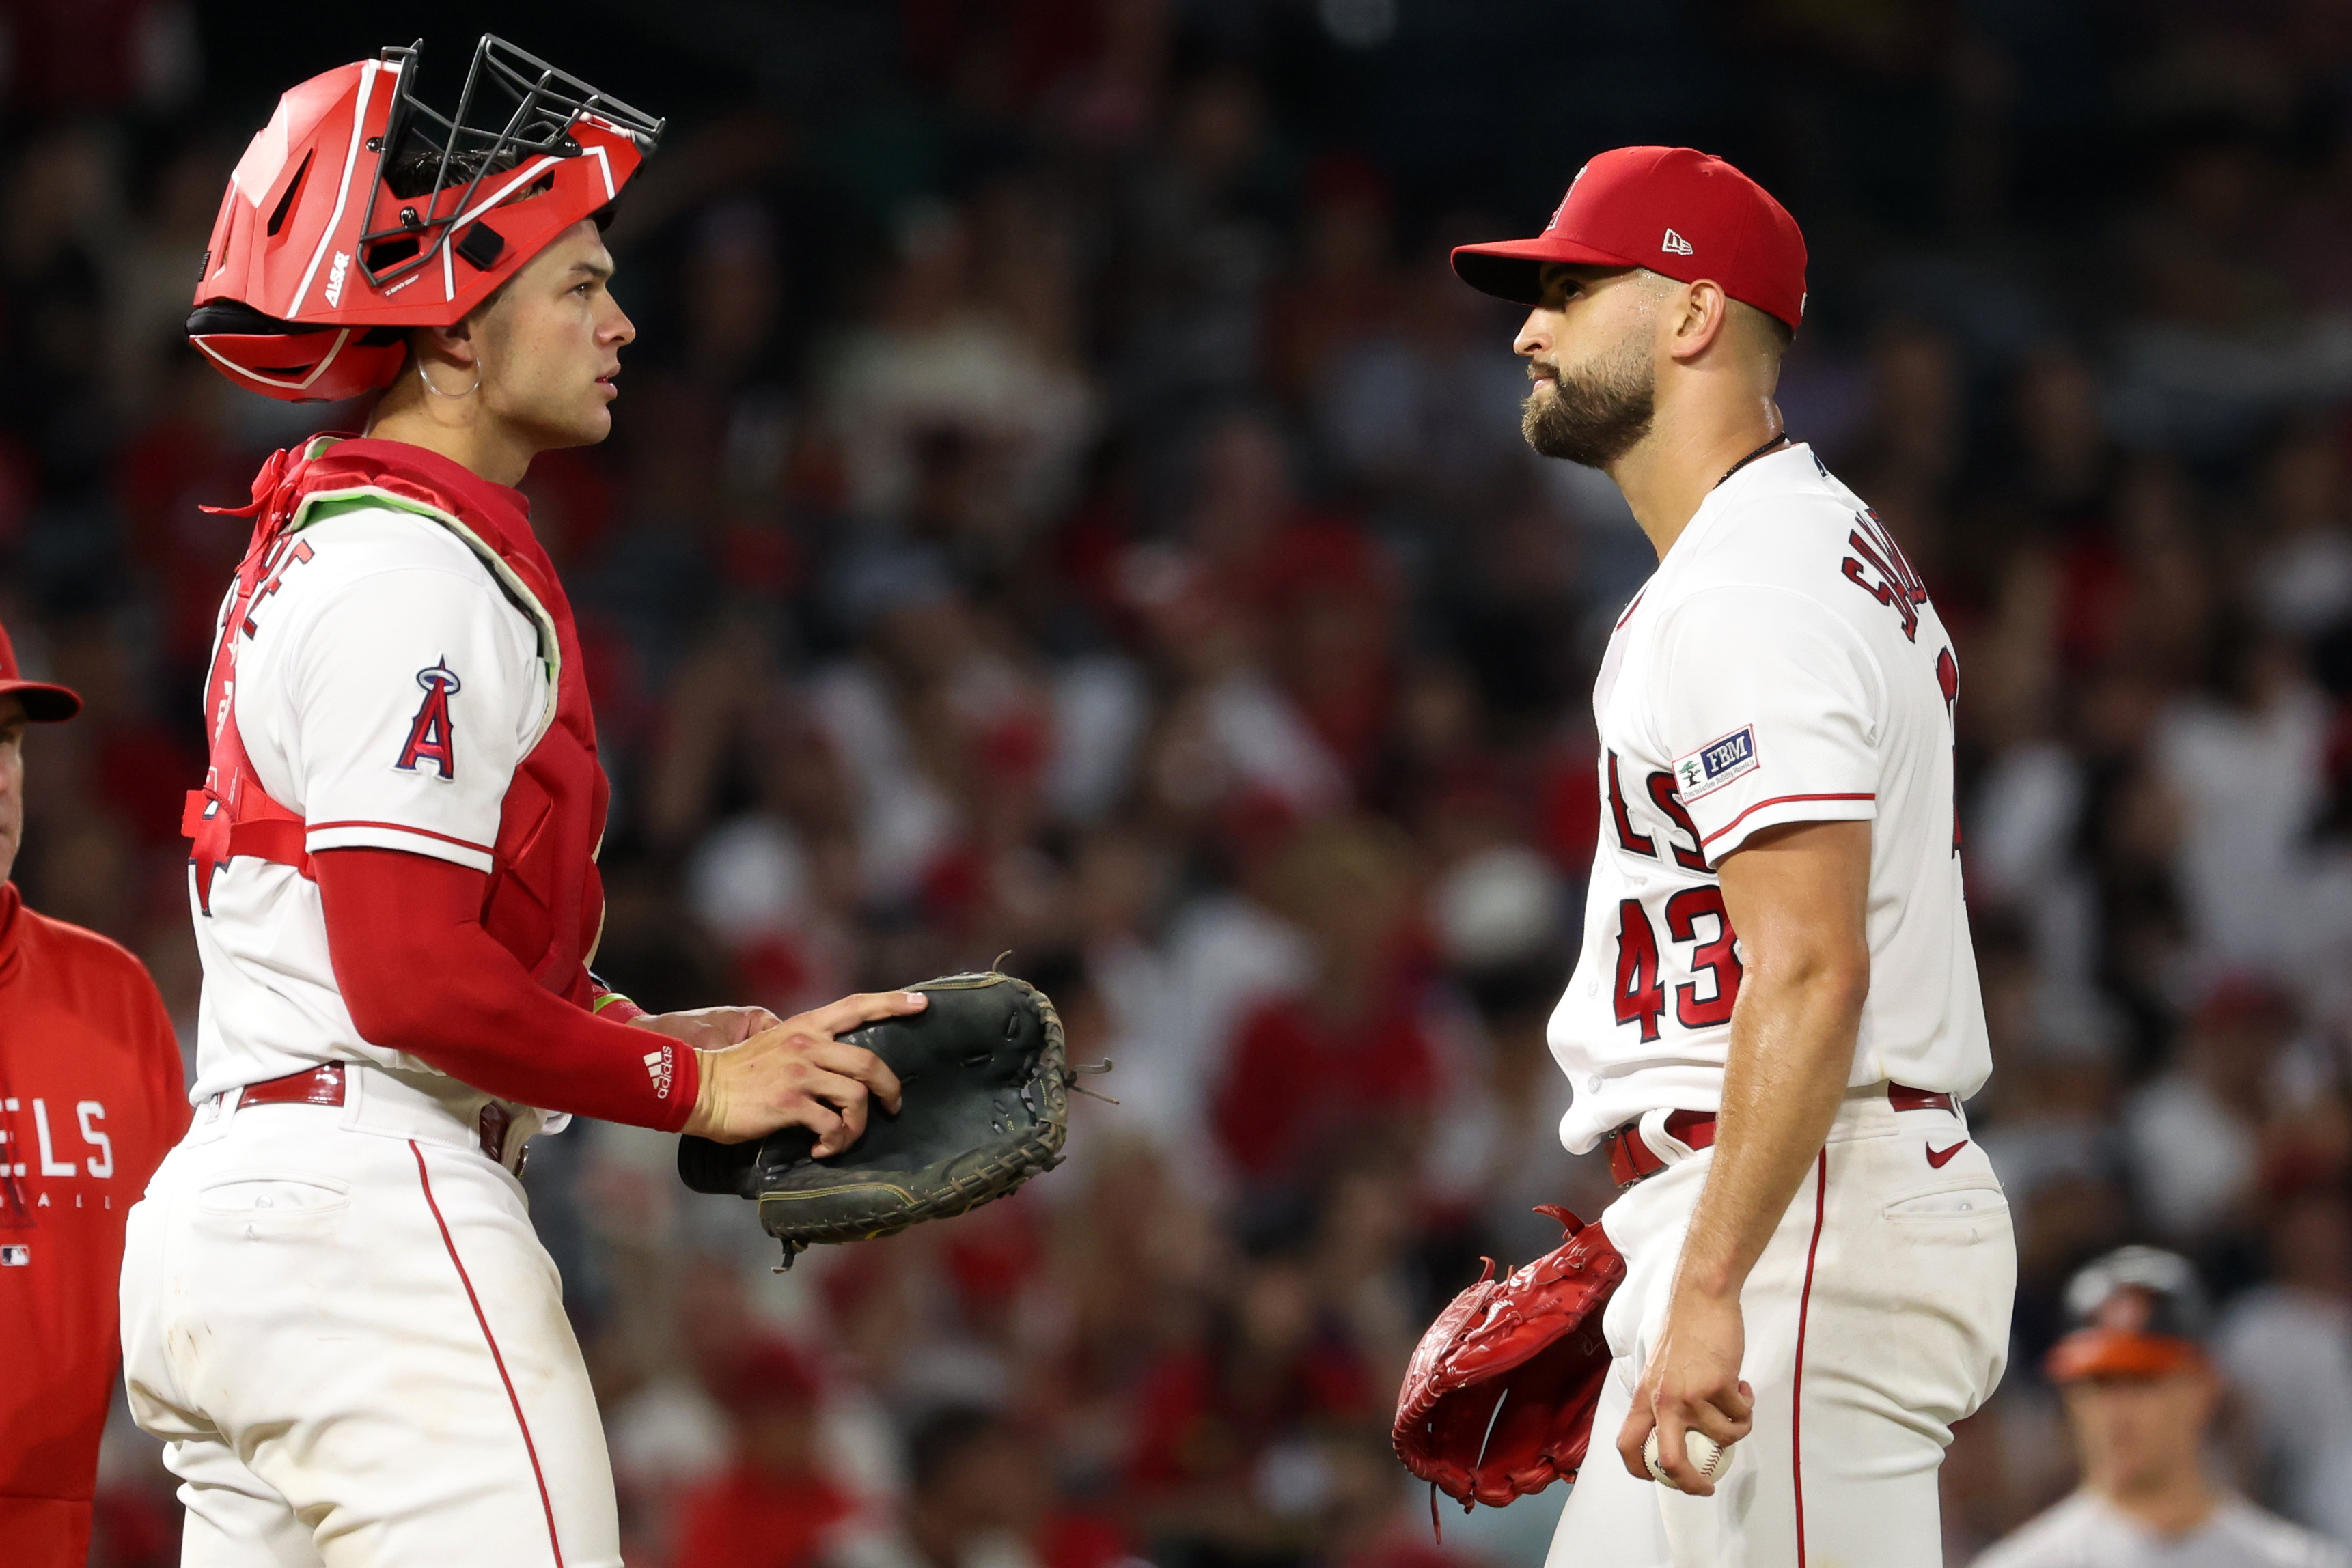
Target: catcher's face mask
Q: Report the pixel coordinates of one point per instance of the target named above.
(358, 211)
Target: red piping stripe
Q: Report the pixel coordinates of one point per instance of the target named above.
(487, 1338)
(403, 828)
(1777, 800)
(1797, 1388)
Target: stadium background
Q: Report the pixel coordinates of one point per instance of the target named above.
(1061, 503)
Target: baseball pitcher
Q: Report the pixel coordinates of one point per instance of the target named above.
(1806, 1277)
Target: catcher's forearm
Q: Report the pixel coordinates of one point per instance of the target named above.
(419, 974)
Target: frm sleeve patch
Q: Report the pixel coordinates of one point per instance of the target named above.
(1715, 764)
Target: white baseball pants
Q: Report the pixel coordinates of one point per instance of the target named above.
(342, 1326)
(1877, 1316)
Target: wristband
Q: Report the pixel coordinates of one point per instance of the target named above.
(607, 1003)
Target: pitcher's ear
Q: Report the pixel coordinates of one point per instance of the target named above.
(1705, 312)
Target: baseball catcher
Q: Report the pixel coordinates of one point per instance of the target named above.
(336, 1313)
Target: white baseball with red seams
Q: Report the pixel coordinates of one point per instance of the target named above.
(1707, 1456)
(1784, 665)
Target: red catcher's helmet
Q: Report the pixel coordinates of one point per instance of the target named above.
(358, 213)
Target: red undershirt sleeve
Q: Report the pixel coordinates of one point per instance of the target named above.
(420, 975)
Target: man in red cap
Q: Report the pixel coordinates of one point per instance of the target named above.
(91, 1097)
(2141, 1395)
(1775, 1016)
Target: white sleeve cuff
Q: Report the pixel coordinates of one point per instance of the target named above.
(1855, 806)
(395, 836)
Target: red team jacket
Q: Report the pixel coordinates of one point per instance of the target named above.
(91, 1098)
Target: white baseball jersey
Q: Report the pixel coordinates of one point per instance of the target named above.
(1781, 665)
(2088, 1532)
(387, 692)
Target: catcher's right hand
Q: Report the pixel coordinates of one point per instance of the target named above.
(798, 1075)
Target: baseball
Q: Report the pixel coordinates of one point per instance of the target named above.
(1711, 1460)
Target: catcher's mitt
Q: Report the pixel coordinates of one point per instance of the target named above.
(1530, 1344)
(986, 1079)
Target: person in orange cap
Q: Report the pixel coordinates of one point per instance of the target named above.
(92, 1095)
(2140, 1394)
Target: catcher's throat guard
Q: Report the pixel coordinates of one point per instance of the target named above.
(986, 1082)
(360, 211)
(1497, 1401)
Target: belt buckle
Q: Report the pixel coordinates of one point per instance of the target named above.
(1622, 1157)
(495, 1123)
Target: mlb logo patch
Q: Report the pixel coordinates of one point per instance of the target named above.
(1715, 764)
(15, 1257)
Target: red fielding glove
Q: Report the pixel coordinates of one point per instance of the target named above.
(1530, 1344)
(420, 975)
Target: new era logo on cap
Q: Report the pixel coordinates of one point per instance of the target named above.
(1674, 245)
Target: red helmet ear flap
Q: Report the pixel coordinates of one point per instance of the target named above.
(292, 362)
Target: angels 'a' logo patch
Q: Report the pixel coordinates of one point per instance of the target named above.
(431, 736)
(1715, 764)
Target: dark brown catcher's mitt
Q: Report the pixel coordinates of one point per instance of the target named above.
(986, 1106)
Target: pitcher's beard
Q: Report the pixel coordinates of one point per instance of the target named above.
(1596, 417)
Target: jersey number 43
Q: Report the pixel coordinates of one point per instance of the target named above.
(1640, 993)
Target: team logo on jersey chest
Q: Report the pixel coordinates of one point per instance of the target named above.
(432, 734)
(1716, 763)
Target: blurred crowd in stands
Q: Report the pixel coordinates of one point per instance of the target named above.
(1061, 505)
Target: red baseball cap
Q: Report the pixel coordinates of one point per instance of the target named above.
(44, 704)
(1674, 210)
